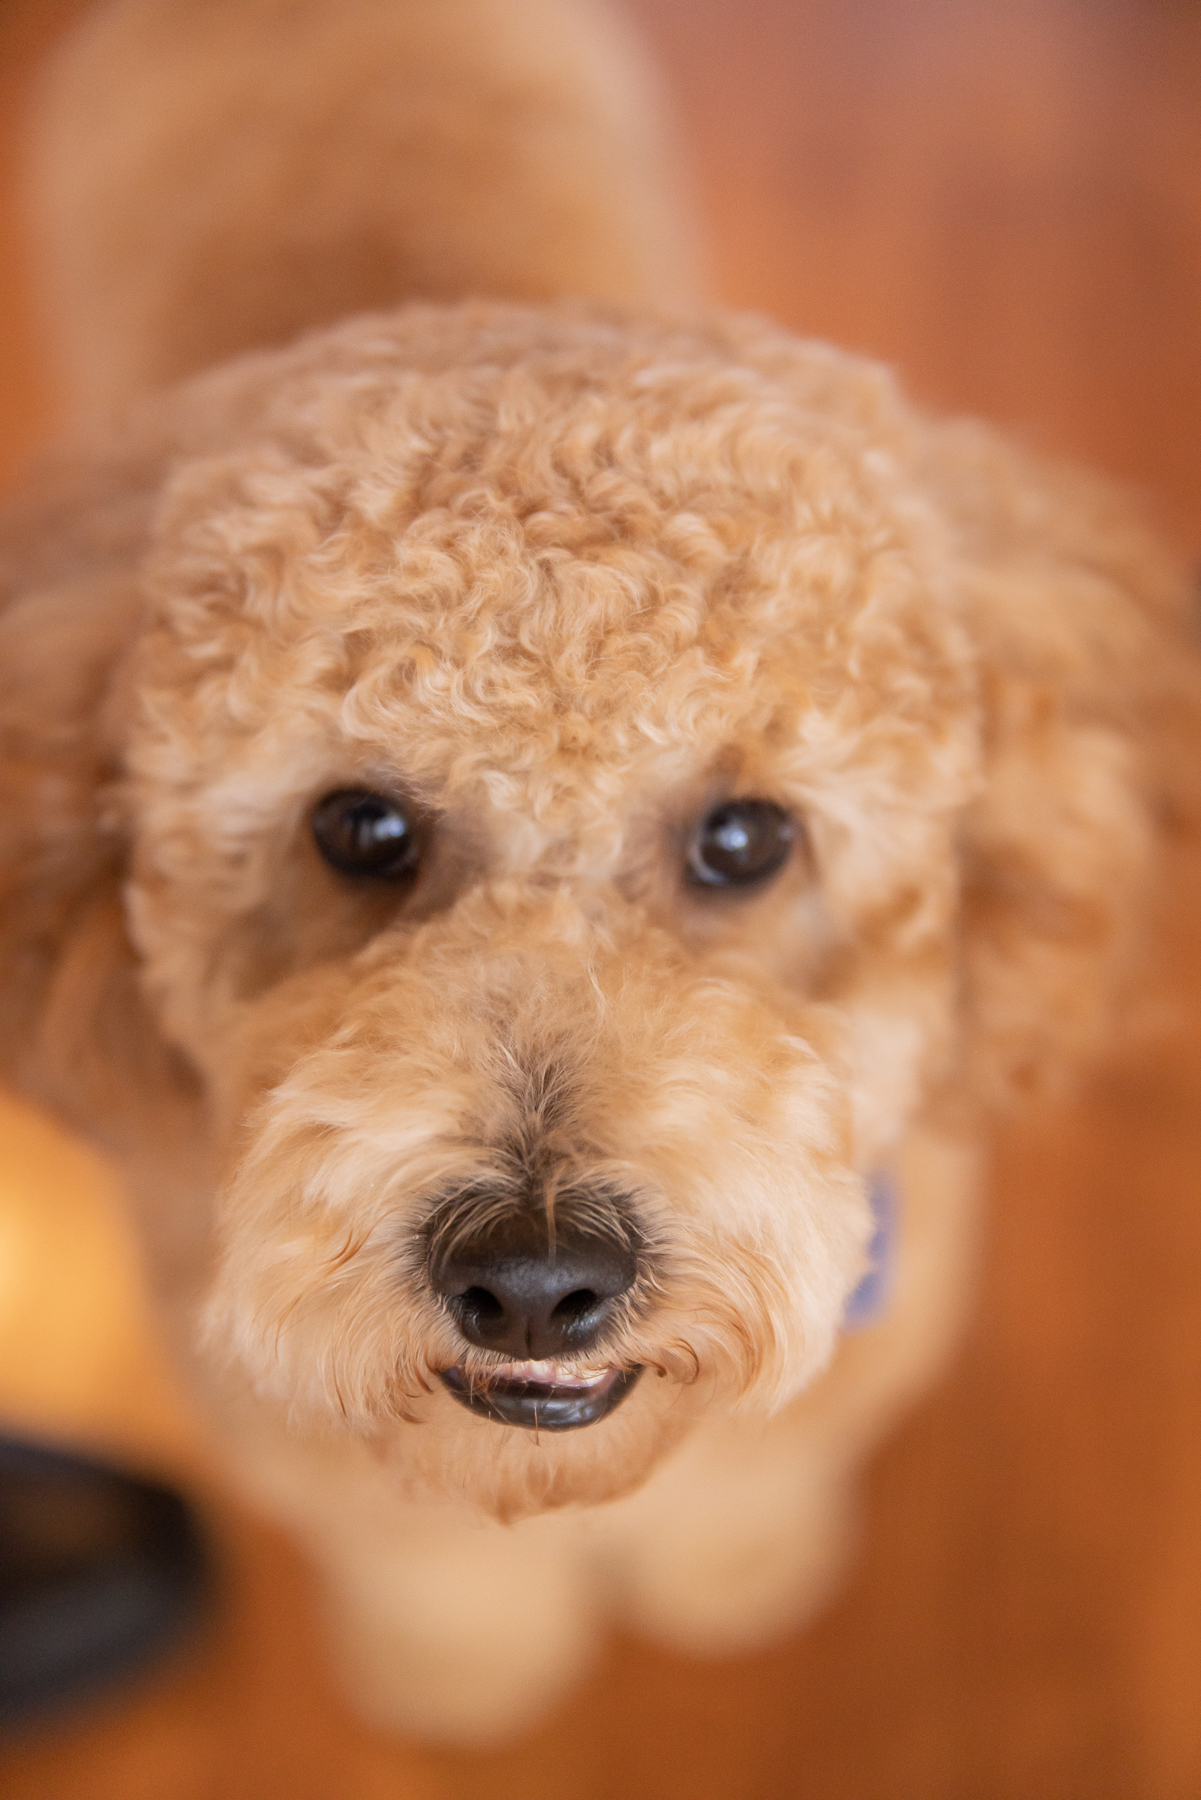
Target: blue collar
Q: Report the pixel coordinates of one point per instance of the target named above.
(870, 1299)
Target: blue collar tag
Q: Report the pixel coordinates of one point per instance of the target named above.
(870, 1299)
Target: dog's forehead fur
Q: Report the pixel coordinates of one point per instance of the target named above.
(552, 585)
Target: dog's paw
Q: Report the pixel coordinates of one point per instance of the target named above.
(470, 1642)
(465, 1694)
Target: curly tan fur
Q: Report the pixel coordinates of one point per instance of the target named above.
(564, 577)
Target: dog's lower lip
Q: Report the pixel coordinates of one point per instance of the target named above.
(541, 1396)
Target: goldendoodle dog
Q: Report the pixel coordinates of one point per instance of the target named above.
(537, 826)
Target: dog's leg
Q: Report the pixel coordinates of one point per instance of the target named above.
(746, 1531)
(456, 1632)
(742, 1539)
(441, 1625)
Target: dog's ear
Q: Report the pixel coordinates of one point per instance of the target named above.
(73, 1029)
(1082, 626)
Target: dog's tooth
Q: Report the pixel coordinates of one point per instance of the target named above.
(545, 1373)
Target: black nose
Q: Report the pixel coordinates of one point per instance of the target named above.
(511, 1289)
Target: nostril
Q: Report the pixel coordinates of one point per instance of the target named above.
(482, 1303)
(576, 1306)
(479, 1309)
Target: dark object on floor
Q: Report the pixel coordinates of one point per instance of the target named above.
(99, 1573)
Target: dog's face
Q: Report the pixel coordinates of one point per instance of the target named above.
(546, 788)
(543, 813)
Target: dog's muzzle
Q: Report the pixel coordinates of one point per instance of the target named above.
(543, 1294)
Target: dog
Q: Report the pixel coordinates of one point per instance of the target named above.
(539, 827)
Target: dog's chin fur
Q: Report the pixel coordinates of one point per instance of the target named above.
(440, 1452)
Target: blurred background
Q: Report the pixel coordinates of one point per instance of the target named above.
(1003, 199)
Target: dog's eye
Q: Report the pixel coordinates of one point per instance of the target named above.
(739, 843)
(359, 833)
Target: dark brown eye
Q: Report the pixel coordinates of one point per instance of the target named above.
(360, 833)
(739, 843)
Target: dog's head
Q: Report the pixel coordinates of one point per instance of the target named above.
(578, 790)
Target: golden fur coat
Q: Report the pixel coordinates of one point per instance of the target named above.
(562, 563)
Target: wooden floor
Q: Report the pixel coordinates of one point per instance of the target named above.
(1004, 198)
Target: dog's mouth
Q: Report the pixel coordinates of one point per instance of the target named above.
(542, 1396)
